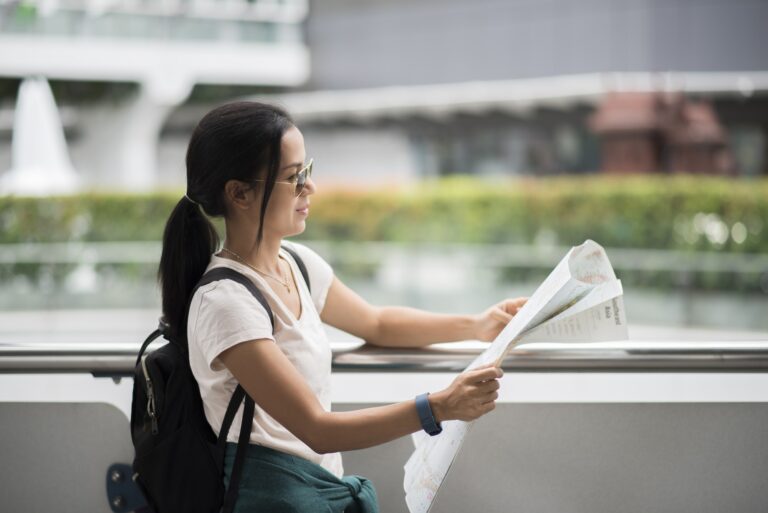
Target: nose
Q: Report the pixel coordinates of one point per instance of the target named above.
(309, 187)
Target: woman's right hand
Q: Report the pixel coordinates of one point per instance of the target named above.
(471, 395)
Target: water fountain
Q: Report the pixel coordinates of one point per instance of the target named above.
(40, 164)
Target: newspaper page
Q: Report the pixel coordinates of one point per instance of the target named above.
(581, 300)
(598, 317)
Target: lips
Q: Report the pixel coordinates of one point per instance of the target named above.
(303, 210)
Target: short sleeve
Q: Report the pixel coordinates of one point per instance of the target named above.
(226, 314)
(319, 271)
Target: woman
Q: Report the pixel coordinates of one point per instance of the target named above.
(246, 163)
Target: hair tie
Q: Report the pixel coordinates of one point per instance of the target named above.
(191, 200)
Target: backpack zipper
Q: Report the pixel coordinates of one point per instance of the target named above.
(150, 395)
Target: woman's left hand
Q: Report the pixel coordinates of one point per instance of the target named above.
(492, 321)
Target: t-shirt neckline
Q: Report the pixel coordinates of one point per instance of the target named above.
(265, 287)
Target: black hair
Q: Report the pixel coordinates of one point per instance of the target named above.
(236, 141)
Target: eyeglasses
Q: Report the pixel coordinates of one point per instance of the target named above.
(299, 179)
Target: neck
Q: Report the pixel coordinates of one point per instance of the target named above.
(263, 255)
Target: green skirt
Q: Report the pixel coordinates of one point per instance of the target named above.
(277, 482)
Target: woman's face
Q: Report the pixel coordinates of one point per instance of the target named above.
(287, 213)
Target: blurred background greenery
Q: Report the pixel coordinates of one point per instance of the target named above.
(680, 239)
(653, 212)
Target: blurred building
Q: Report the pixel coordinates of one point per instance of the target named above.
(660, 133)
(491, 87)
(392, 91)
(161, 49)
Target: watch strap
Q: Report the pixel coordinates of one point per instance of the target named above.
(427, 418)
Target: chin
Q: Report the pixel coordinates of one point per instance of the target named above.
(298, 229)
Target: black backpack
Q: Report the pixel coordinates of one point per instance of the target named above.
(179, 460)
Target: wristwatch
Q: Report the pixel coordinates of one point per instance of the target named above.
(428, 422)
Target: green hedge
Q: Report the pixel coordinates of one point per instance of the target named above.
(641, 212)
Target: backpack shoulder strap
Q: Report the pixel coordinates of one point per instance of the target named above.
(151, 338)
(230, 496)
(227, 273)
(300, 264)
(239, 396)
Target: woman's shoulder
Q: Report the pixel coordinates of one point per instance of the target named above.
(225, 294)
(223, 313)
(311, 259)
(301, 249)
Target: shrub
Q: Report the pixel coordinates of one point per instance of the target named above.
(685, 212)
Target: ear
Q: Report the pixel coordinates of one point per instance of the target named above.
(238, 194)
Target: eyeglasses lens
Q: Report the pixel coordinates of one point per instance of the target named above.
(301, 178)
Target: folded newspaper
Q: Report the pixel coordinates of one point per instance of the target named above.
(580, 301)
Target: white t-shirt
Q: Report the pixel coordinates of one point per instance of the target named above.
(223, 314)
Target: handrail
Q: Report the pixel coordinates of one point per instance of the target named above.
(117, 359)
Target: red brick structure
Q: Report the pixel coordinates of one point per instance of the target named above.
(697, 141)
(659, 132)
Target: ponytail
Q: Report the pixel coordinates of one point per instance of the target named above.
(189, 240)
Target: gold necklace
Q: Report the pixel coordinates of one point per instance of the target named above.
(283, 282)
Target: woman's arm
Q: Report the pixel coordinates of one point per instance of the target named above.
(275, 385)
(396, 326)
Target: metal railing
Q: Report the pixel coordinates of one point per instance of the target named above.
(117, 360)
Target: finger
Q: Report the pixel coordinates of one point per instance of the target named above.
(513, 305)
(490, 395)
(500, 315)
(489, 386)
(487, 373)
(484, 374)
(487, 407)
(485, 395)
(485, 387)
